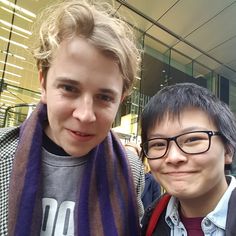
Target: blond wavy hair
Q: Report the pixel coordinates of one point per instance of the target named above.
(98, 23)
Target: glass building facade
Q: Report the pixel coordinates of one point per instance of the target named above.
(162, 65)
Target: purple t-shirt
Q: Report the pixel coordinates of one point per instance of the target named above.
(192, 225)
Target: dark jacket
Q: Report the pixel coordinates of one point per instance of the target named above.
(152, 190)
(162, 229)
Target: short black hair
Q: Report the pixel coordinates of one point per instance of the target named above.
(174, 99)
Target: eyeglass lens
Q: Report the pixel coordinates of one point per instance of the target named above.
(191, 143)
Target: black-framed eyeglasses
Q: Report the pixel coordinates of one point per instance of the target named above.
(195, 142)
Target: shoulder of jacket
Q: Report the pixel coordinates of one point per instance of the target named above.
(232, 204)
(133, 158)
(9, 138)
(150, 210)
(9, 131)
(230, 227)
(136, 165)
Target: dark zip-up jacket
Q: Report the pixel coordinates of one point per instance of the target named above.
(162, 228)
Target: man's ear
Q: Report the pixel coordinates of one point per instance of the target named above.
(123, 97)
(43, 87)
(229, 154)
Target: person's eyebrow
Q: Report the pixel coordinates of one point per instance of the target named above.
(194, 128)
(186, 130)
(67, 80)
(108, 91)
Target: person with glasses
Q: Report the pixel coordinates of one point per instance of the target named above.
(188, 136)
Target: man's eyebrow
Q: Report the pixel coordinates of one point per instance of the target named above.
(108, 91)
(77, 83)
(67, 80)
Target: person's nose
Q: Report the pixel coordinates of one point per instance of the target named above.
(174, 155)
(85, 111)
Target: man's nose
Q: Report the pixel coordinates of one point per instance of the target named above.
(85, 110)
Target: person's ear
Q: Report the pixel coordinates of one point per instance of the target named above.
(229, 153)
(123, 97)
(42, 81)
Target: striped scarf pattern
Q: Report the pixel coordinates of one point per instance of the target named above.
(107, 203)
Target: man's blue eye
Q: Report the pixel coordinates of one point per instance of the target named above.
(68, 88)
(105, 98)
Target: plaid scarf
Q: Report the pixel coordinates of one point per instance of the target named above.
(107, 201)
